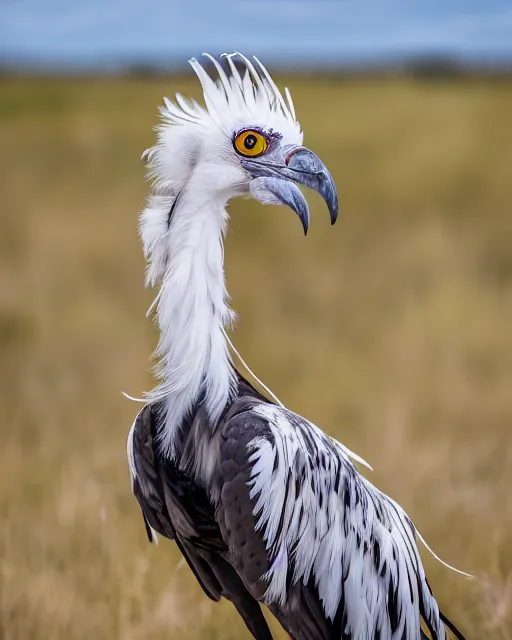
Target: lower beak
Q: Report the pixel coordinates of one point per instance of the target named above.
(278, 176)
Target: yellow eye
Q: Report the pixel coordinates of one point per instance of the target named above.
(250, 143)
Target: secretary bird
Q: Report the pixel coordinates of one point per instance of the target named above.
(264, 506)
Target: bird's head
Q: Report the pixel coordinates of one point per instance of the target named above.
(246, 140)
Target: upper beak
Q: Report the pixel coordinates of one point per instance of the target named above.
(276, 174)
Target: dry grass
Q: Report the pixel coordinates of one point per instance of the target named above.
(392, 331)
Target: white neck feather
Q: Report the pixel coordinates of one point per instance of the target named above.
(192, 309)
(194, 170)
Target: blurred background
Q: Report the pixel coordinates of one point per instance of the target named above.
(392, 330)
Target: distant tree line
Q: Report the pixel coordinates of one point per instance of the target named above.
(424, 67)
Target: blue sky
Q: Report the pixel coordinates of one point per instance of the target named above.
(79, 32)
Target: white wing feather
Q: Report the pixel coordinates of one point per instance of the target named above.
(330, 524)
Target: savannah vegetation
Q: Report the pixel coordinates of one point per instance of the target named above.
(392, 331)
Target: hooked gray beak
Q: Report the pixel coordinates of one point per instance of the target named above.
(275, 176)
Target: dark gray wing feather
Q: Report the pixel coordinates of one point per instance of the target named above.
(177, 508)
(301, 615)
(155, 496)
(234, 512)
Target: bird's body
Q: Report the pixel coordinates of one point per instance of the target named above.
(263, 505)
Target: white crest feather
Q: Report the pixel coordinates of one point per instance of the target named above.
(252, 95)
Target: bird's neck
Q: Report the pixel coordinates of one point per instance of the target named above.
(194, 361)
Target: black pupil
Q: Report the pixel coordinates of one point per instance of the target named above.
(250, 141)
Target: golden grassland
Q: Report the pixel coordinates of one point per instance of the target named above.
(391, 330)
